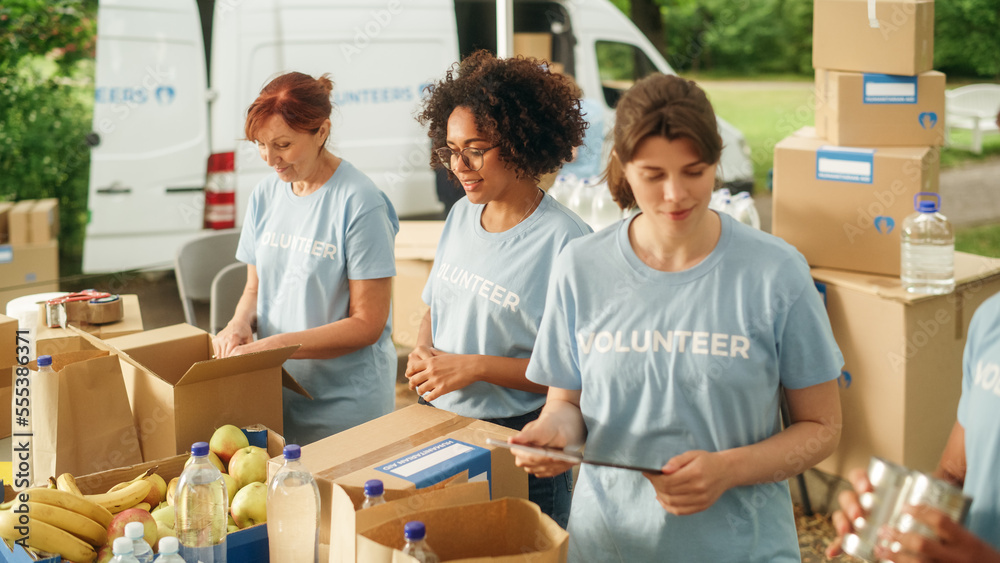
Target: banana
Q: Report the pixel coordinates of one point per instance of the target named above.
(143, 475)
(46, 537)
(122, 499)
(143, 505)
(52, 483)
(67, 482)
(67, 520)
(69, 501)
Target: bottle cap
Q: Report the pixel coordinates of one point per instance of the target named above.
(199, 448)
(292, 451)
(44, 361)
(122, 546)
(414, 530)
(168, 545)
(923, 203)
(134, 530)
(373, 488)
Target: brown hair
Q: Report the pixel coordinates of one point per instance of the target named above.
(660, 105)
(301, 100)
(531, 114)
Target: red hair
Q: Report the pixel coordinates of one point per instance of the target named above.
(301, 100)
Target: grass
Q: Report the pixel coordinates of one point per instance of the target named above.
(982, 241)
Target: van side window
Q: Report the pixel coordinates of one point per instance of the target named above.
(542, 29)
(620, 65)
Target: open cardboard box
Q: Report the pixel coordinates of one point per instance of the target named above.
(8, 359)
(180, 394)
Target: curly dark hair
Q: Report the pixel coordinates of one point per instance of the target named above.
(531, 114)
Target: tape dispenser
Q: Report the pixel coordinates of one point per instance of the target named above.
(87, 306)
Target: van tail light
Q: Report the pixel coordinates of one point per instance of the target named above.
(220, 192)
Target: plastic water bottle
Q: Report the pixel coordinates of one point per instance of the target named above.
(928, 248)
(580, 200)
(562, 187)
(603, 209)
(742, 208)
(373, 494)
(293, 512)
(416, 546)
(140, 549)
(122, 550)
(202, 507)
(168, 551)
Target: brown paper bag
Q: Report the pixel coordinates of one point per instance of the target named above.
(508, 530)
(81, 417)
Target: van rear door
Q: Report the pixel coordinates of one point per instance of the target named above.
(147, 170)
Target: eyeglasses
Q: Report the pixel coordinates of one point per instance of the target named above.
(471, 156)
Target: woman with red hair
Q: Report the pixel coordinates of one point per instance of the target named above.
(318, 242)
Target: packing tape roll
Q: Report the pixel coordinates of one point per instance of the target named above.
(105, 310)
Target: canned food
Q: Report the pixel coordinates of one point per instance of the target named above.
(923, 490)
(887, 480)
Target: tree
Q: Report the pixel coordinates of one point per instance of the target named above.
(648, 18)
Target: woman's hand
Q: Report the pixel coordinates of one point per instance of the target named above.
(540, 432)
(433, 373)
(231, 338)
(691, 482)
(850, 509)
(955, 544)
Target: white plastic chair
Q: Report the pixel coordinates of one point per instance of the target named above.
(196, 264)
(973, 108)
(227, 288)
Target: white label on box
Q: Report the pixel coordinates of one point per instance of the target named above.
(439, 461)
(842, 164)
(890, 89)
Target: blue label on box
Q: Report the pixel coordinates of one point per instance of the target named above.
(6, 254)
(439, 461)
(844, 164)
(889, 89)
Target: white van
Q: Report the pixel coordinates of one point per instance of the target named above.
(174, 79)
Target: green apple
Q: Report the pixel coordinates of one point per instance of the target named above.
(249, 465)
(226, 440)
(250, 505)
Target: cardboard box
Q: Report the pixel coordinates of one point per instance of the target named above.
(20, 222)
(903, 362)
(506, 530)
(27, 270)
(131, 323)
(860, 110)
(903, 42)
(844, 207)
(416, 244)
(537, 45)
(179, 394)
(5, 207)
(408, 449)
(8, 359)
(43, 221)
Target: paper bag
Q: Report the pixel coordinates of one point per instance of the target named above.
(507, 530)
(81, 416)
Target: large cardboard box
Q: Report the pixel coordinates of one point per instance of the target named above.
(902, 362)
(856, 109)
(5, 207)
(27, 270)
(844, 207)
(416, 244)
(902, 43)
(20, 222)
(536, 45)
(131, 323)
(409, 449)
(8, 359)
(43, 221)
(179, 394)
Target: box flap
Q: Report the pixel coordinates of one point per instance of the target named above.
(969, 269)
(222, 367)
(806, 139)
(155, 336)
(418, 240)
(289, 382)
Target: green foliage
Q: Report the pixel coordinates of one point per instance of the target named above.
(966, 41)
(62, 30)
(982, 241)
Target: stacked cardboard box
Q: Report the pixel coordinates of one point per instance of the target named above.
(841, 193)
(29, 248)
(416, 244)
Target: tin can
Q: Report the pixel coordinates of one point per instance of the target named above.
(887, 480)
(923, 490)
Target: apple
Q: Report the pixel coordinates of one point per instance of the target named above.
(226, 440)
(104, 555)
(157, 492)
(231, 486)
(217, 462)
(250, 505)
(162, 531)
(249, 465)
(171, 490)
(116, 528)
(165, 516)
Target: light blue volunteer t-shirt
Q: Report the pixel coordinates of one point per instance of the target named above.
(977, 413)
(487, 293)
(675, 361)
(305, 250)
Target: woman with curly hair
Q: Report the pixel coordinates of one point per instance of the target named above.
(497, 125)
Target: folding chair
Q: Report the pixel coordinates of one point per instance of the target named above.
(227, 288)
(196, 264)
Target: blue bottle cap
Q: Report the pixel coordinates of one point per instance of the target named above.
(927, 202)
(199, 448)
(414, 530)
(373, 488)
(292, 451)
(44, 361)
